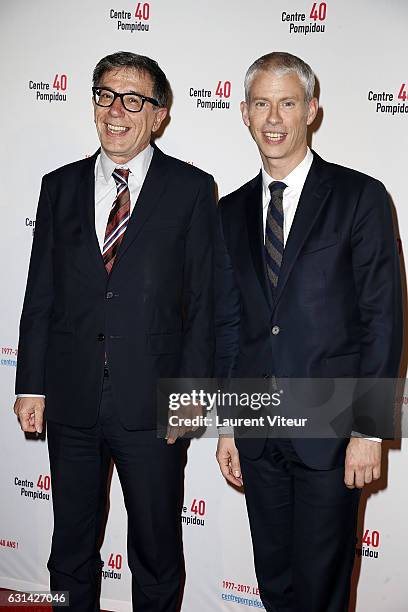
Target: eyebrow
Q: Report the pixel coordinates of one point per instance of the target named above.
(288, 97)
(123, 92)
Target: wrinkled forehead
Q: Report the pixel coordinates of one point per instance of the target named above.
(127, 77)
(276, 81)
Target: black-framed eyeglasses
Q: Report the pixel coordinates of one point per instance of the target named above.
(132, 102)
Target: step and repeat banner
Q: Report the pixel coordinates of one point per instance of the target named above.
(49, 48)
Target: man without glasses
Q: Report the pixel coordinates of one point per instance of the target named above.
(308, 286)
(119, 293)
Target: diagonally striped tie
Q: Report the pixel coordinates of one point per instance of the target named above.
(118, 218)
(274, 233)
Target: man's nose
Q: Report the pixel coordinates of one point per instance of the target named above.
(274, 115)
(117, 109)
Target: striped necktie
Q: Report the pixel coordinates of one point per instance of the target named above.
(274, 233)
(118, 218)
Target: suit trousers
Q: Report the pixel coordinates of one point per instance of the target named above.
(303, 527)
(151, 477)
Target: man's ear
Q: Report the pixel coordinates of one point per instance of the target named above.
(245, 113)
(159, 116)
(313, 107)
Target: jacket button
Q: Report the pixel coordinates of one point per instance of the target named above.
(275, 330)
(109, 295)
(100, 337)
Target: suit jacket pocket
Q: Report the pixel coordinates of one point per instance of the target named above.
(163, 344)
(318, 244)
(343, 365)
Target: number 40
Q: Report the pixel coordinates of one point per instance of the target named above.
(402, 95)
(373, 541)
(60, 83)
(142, 11)
(223, 89)
(318, 13)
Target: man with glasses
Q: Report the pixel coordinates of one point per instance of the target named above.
(119, 293)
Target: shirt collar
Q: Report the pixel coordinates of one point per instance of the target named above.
(138, 166)
(295, 179)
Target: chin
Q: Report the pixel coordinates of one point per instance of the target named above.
(274, 154)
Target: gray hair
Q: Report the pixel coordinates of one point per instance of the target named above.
(140, 63)
(281, 63)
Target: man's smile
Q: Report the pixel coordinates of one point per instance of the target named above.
(116, 129)
(275, 137)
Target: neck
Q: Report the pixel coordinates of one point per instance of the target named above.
(124, 159)
(280, 168)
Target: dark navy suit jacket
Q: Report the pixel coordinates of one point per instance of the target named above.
(337, 306)
(152, 316)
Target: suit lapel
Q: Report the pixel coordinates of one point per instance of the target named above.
(153, 188)
(256, 235)
(86, 193)
(313, 198)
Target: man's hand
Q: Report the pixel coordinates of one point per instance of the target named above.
(363, 462)
(30, 413)
(228, 459)
(182, 414)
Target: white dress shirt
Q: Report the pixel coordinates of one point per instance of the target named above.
(105, 186)
(295, 181)
(105, 193)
